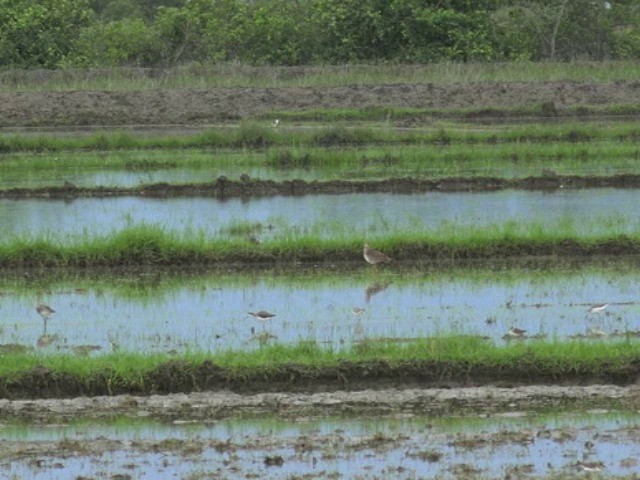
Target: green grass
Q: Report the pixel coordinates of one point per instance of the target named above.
(503, 153)
(124, 79)
(437, 358)
(322, 242)
(258, 135)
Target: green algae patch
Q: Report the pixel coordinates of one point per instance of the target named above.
(461, 360)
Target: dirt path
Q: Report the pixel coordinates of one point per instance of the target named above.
(217, 405)
(192, 107)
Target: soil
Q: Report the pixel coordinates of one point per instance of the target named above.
(196, 107)
(178, 376)
(211, 406)
(224, 187)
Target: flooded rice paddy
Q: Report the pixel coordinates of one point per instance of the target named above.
(514, 443)
(163, 312)
(586, 211)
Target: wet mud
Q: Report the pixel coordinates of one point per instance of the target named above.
(515, 453)
(226, 404)
(223, 187)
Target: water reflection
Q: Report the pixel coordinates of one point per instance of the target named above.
(409, 447)
(209, 311)
(586, 212)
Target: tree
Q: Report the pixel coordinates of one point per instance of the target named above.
(40, 33)
(122, 42)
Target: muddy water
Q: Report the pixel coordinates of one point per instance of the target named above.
(164, 312)
(587, 211)
(401, 446)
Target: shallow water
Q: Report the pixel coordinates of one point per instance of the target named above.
(160, 312)
(588, 211)
(543, 444)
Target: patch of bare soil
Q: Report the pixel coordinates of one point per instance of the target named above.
(203, 406)
(192, 107)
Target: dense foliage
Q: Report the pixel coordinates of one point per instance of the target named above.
(55, 33)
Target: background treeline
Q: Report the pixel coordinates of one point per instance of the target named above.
(91, 33)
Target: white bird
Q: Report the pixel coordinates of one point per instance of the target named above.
(275, 123)
(598, 307)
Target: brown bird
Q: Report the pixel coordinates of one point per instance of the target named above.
(45, 311)
(262, 315)
(374, 257)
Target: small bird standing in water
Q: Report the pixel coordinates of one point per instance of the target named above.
(45, 311)
(375, 257)
(262, 315)
(598, 307)
(515, 332)
(590, 466)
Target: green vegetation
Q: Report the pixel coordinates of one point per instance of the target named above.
(511, 151)
(256, 136)
(231, 75)
(435, 359)
(59, 33)
(152, 245)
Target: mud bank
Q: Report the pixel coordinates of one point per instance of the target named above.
(224, 187)
(194, 106)
(225, 404)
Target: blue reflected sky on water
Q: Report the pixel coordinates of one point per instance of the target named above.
(340, 445)
(586, 211)
(210, 312)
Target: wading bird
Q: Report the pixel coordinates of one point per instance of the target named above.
(262, 315)
(598, 308)
(275, 123)
(515, 333)
(375, 257)
(45, 311)
(590, 466)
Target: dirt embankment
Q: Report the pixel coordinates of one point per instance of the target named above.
(224, 404)
(192, 106)
(182, 377)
